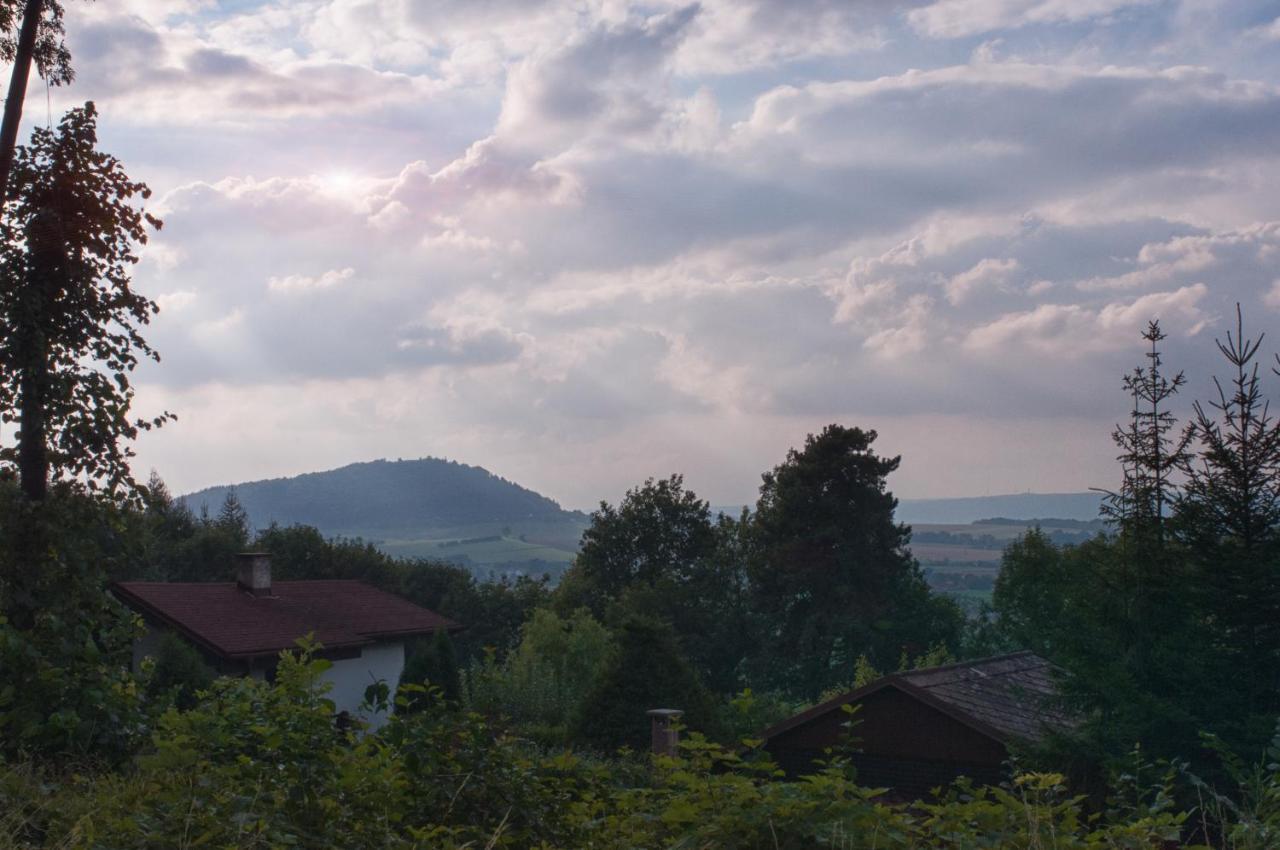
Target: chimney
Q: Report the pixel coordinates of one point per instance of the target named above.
(253, 572)
(665, 737)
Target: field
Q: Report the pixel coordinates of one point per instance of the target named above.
(486, 551)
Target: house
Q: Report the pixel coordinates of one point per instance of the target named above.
(241, 627)
(922, 729)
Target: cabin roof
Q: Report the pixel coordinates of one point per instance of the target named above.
(231, 622)
(1005, 697)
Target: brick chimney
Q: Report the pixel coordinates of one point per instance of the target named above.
(666, 738)
(253, 573)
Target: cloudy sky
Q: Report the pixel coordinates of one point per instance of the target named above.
(585, 242)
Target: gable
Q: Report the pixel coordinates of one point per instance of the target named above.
(893, 722)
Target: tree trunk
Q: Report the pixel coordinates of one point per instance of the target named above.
(17, 92)
(33, 454)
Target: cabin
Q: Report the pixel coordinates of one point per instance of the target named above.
(241, 627)
(921, 729)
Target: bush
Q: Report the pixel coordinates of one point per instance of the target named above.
(542, 683)
(259, 765)
(646, 671)
(180, 672)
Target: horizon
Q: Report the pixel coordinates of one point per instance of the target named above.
(587, 509)
(589, 243)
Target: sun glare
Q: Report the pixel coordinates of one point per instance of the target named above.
(338, 182)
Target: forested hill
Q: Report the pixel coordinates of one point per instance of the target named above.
(404, 499)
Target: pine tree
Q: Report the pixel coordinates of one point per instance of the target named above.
(1229, 519)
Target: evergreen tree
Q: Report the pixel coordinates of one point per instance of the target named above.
(233, 519)
(1229, 519)
(831, 577)
(647, 671)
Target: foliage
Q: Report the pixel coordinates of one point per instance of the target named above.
(179, 672)
(1228, 522)
(655, 537)
(70, 318)
(646, 671)
(1167, 626)
(433, 662)
(547, 677)
(259, 765)
(832, 577)
(51, 57)
(661, 555)
(67, 692)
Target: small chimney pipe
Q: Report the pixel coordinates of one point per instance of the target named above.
(666, 739)
(253, 573)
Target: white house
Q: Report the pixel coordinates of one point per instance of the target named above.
(242, 626)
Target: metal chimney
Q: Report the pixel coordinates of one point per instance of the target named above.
(666, 738)
(253, 572)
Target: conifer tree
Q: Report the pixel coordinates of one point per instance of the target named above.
(1229, 519)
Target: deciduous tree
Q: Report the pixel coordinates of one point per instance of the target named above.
(70, 319)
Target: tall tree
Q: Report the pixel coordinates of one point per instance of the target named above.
(71, 320)
(38, 41)
(656, 535)
(833, 578)
(660, 554)
(1229, 519)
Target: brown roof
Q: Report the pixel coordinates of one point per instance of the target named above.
(233, 623)
(1005, 697)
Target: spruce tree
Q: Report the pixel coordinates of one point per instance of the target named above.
(1229, 519)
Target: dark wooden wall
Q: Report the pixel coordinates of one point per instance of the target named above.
(903, 744)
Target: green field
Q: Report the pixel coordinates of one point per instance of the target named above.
(480, 551)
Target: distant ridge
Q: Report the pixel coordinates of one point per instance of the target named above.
(1077, 506)
(389, 498)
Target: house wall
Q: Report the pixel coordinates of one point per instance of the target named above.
(904, 744)
(350, 676)
(146, 646)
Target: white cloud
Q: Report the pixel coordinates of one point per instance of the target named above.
(985, 274)
(1071, 330)
(298, 284)
(599, 230)
(959, 18)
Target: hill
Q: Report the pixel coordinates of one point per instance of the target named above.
(1018, 506)
(429, 507)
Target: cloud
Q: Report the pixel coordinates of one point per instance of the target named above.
(297, 283)
(960, 18)
(1071, 330)
(612, 235)
(987, 273)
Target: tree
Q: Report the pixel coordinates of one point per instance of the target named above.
(1151, 450)
(832, 576)
(660, 554)
(1228, 517)
(647, 671)
(70, 318)
(233, 519)
(39, 41)
(655, 536)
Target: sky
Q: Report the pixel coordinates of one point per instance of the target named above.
(585, 242)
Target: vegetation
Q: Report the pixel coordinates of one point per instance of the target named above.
(1166, 627)
(262, 765)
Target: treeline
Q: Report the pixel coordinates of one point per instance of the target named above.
(1168, 626)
